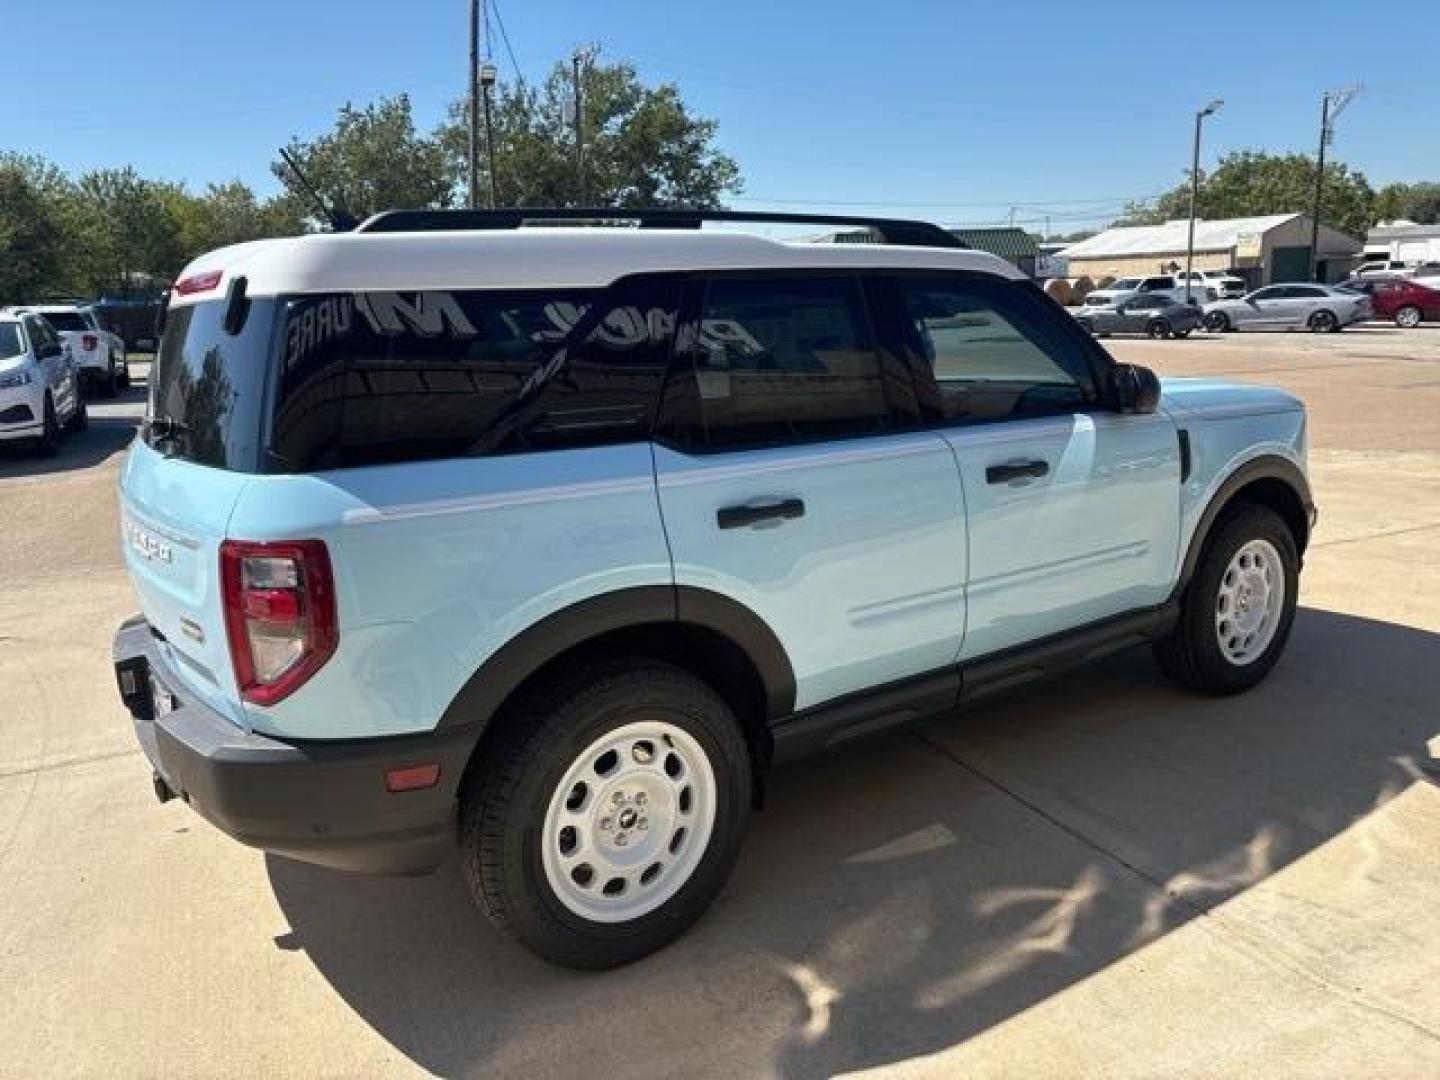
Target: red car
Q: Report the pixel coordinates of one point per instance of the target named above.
(1407, 302)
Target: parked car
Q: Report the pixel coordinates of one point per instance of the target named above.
(1380, 268)
(99, 354)
(554, 541)
(1289, 307)
(1211, 285)
(1408, 303)
(1123, 289)
(1154, 315)
(39, 388)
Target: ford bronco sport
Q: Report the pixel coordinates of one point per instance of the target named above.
(553, 541)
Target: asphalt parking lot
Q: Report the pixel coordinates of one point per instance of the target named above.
(1103, 876)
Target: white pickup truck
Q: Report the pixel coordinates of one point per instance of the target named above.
(1204, 282)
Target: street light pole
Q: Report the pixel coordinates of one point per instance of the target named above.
(579, 131)
(487, 80)
(1213, 107)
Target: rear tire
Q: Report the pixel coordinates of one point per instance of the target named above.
(110, 384)
(1182, 334)
(1086, 325)
(605, 813)
(1408, 317)
(1236, 613)
(1158, 328)
(1323, 322)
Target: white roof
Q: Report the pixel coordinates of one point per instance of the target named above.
(1170, 237)
(535, 258)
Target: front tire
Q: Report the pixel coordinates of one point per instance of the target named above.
(80, 419)
(1217, 322)
(48, 444)
(1236, 613)
(1408, 317)
(1158, 328)
(607, 812)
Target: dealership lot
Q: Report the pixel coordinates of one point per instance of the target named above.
(1101, 875)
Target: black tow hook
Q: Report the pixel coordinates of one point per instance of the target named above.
(163, 791)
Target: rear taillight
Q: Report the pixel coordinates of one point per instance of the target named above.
(90, 342)
(279, 614)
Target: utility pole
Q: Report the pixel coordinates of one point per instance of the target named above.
(1209, 110)
(473, 90)
(1329, 113)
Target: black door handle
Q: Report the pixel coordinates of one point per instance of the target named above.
(737, 517)
(1015, 470)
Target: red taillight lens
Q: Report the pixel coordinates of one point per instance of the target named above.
(279, 614)
(90, 342)
(199, 282)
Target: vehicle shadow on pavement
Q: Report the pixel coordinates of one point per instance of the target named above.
(901, 896)
(106, 436)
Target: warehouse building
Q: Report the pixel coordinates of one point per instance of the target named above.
(1262, 250)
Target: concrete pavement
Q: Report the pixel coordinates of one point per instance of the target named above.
(1102, 876)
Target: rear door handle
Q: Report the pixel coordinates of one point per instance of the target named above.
(737, 517)
(1015, 470)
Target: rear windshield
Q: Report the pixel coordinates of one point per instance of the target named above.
(10, 343)
(66, 320)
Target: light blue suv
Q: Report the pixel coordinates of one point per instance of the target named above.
(555, 540)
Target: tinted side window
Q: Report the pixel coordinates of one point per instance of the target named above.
(778, 359)
(1274, 292)
(989, 350)
(386, 377)
(1304, 292)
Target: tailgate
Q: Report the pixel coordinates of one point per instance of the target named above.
(173, 516)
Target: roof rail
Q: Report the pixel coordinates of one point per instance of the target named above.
(890, 230)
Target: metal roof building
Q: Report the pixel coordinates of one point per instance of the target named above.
(1265, 249)
(1012, 244)
(1406, 241)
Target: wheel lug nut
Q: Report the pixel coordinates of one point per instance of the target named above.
(606, 824)
(621, 840)
(644, 824)
(641, 799)
(618, 798)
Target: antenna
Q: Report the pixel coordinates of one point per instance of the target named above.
(339, 220)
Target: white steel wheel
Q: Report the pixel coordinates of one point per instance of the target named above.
(629, 822)
(1250, 602)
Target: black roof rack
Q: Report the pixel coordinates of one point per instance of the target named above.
(890, 230)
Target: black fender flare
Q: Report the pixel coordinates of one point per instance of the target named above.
(1266, 467)
(502, 673)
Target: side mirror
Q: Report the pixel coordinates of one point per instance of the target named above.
(1136, 389)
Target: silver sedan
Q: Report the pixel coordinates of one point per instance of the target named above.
(1289, 307)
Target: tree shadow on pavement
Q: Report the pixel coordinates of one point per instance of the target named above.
(903, 895)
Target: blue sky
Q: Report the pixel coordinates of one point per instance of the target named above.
(953, 111)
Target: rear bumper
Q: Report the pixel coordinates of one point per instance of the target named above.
(320, 802)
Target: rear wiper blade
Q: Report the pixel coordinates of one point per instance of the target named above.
(164, 428)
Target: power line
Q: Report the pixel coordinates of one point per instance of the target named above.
(1114, 200)
(505, 37)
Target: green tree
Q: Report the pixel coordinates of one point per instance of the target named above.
(643, 147)
(31, 233)
(229, 213)
(1250, 183)
(121, 230)
(1413, 202)
(371, 160)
